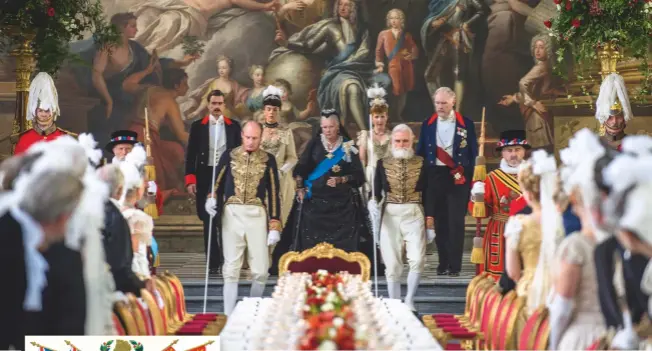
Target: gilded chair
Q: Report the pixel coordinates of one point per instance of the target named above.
(488, 310)
(126, 317)
(507, 328)
(325, 256)
(140, 315)
(214, 321)
(155, 313)
(530, 331)
(169, 303)
(541, 338)
(497, 316)
(470, 290)
(119, 328)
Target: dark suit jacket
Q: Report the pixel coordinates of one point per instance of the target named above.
(463, 155)
(12, 263)
(197, 153)
(119, 252)
(64, 298)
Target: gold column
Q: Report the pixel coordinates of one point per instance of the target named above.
(609, 56)
(24, 67)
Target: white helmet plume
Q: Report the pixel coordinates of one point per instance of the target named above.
(272, 90)
(612, 91)
(43, 95)
(376, 95)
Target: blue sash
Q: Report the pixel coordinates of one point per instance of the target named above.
(321, 169)
(154, 248)
(397, 47)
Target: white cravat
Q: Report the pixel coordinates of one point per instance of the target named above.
(446, 134)
(35, 263)
(216, 129)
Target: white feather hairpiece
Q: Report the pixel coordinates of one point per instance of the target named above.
(43, 95)
(612, 88)
(542, 162)
(376, 95)
(87, 141)
(137, 156)
(627, 170)
(130, 167)
(272, 90)
(637, 144)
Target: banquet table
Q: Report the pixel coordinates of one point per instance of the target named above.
(246, 325)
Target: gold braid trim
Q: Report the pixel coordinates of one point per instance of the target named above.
(217, 181)
(274, 193)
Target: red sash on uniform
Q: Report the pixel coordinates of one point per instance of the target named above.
(456, 171)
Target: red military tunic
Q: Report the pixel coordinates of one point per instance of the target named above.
(31, 137)
(500, 190)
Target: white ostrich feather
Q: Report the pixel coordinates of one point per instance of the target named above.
(376, 95)
(612, 88)
(637, 144)
(43, 95)
(627, 170)
(87, 141)
(137, 156)
(542, 162)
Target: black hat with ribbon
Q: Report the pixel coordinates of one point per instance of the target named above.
(121, 137)
(512, 138)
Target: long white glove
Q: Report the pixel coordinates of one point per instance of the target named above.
(430, 235)
(286, 168)
(626, 339)
(561, 310)
(151, 187)
(273, 237)
(211, 206)
(478, 189)
(374, 214)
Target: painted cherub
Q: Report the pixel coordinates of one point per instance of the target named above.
(398, 48)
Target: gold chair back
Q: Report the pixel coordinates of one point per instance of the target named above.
(327, 252)
(154, 312)
(126, 315)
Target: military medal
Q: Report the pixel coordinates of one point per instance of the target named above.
(336, 168)
(329, 155)
(463, 143)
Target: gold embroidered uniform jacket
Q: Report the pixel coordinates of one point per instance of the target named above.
(402, 180)
(249, 179)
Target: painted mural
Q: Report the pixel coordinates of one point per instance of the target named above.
(322, 54)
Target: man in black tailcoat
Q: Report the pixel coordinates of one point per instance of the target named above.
(209, 138)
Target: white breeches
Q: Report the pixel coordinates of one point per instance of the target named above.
(244, 228)
(402, 223)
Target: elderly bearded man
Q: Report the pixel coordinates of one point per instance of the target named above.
(401, 177)
(449, 146)
(503, 189)
(247, 200)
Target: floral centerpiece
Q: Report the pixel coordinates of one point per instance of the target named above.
(328, 314)
(589, 29)
(50, 26)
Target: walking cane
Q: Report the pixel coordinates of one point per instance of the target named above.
(373, 235)
(210, 222)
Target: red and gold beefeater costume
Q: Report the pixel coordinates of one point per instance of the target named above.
(501, 191)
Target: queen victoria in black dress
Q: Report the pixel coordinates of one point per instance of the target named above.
(328, 207)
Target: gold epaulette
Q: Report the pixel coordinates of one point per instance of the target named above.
(68, 132)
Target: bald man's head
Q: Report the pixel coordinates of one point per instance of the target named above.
(252, 133)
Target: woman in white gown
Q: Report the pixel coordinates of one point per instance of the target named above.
(140, 223)
(377, 147)
(576, 319)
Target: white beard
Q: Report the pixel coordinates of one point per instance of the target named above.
(505, 167)
(402, 153)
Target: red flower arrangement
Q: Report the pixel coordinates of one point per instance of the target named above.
(328, 315)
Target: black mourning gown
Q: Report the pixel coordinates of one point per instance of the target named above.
(333, 215)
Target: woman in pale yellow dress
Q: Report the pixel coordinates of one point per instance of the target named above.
(234, 94)
(278, 140)
(377, 147)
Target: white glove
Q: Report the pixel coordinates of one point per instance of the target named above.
(210, 206)
(374, 216)
(430, 235)
(151, 187)
(286, 167)
(478, 189)
(273, 237)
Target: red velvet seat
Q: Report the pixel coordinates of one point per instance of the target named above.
(120, 330)
(541, 338)
(488, 312)
(507, 324)
(325, 256)
(528, 335)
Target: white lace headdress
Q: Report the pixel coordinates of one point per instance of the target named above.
(376, 95)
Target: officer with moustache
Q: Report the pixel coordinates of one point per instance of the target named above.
(210, 137)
